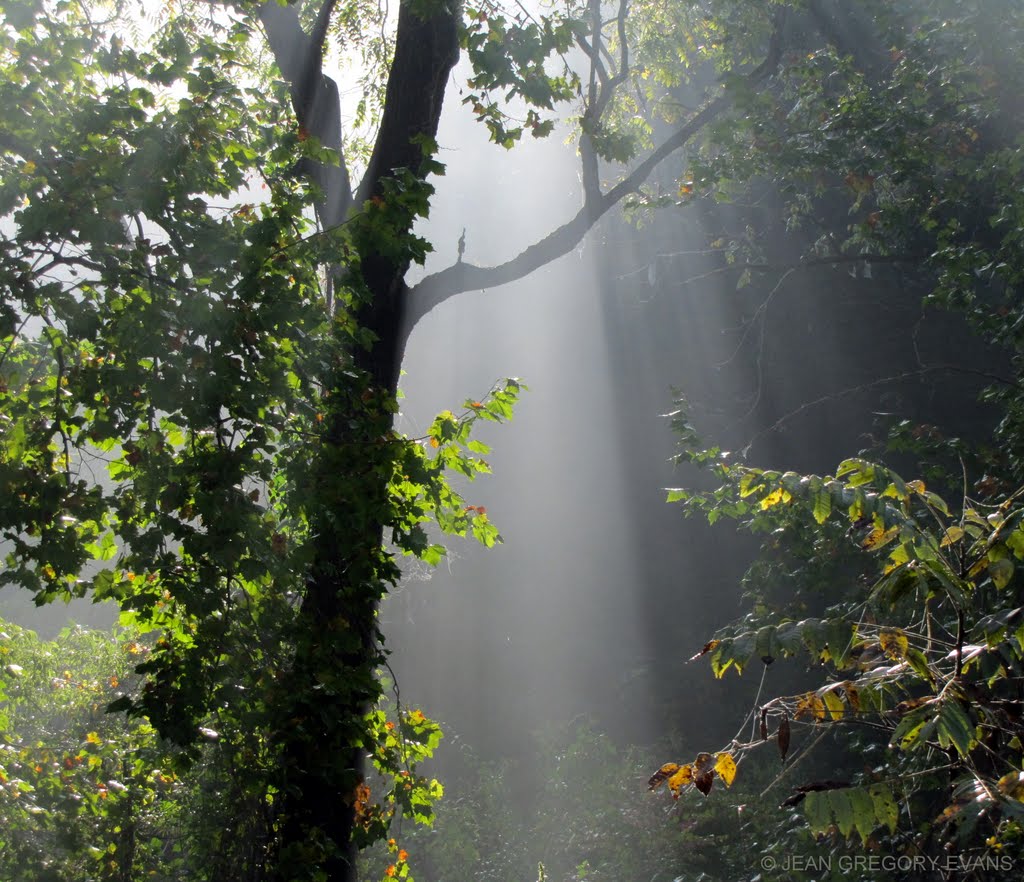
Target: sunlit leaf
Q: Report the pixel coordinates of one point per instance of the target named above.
(818, 812)
(681, 778)
(842, 810)
(725, 766)
(951, 536)
(894, 644)
(822, 505)
(833, 703)
(1001, 571)
(777, 496)
(863, 807)
(811, 706)
(665, 772)
(1012, 785)
(879, 537)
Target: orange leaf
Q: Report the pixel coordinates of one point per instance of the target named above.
(662, 774)
(680, 779)
(810, 705)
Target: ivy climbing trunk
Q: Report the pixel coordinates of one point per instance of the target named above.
(333, 682)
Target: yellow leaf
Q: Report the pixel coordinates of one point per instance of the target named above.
(725, 765)
(1012, 785)
(810, 705)
(852, 695)
(879, 537)
(833, 703)
(681, 778)
(780, 494)
(28, 167)
(894, 644)
(953, 534)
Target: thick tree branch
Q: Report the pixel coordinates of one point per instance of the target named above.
(426, 49)
(460, 277)
(436, 288)
(314, 98)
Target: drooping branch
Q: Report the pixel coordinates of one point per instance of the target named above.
(461, 276)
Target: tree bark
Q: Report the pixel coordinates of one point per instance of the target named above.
(332, 683)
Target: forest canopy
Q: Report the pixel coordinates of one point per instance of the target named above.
(206, 268)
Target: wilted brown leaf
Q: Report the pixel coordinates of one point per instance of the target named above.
(782, 734)
(704, 781)
(708, 647)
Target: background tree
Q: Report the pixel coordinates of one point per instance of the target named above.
(890, 137)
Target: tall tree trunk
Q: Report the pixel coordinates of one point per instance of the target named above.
(332, 683)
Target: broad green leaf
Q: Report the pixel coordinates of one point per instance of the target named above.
(822, 505)
(886, 810)
(919, 662)
(954, 728)
(818, 811)
(864, 817)
(842, 810)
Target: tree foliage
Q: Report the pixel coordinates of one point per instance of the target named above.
(204, 315)
(892, 135)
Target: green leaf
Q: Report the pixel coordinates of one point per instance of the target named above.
(954, 728)
(818, 812)
(822, 505)
(842, 810)
(864, 817)
(886, 810)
